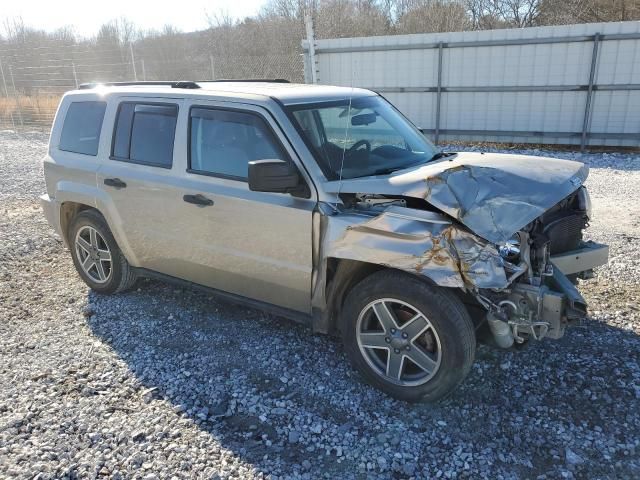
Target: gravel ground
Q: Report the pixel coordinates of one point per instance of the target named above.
(165, 381)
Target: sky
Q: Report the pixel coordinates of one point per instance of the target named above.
(87, 16)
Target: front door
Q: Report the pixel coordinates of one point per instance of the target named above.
(254, 244)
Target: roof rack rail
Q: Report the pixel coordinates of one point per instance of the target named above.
(255, 80)
(179, 84)
(173, 84)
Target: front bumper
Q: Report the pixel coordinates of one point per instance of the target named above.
(584, 259)
(51, 210)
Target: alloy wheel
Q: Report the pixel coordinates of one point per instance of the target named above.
(93, 254)
(398, 342)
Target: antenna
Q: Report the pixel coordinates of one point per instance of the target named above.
(346, 137)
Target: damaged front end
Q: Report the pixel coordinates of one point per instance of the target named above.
(459, 233)
(540, 301)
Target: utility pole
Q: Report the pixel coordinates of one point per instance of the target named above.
(144, 71)
(213, 70)
(6, 93)
(75, 74)
(308, 22)
(15, 93)
(4, 80)
(133, 62)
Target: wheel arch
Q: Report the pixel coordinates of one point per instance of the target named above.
(342, 275)
(68, 211)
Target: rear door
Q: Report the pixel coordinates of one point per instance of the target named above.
(137, 180)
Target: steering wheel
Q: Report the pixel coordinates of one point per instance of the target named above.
(357, 145)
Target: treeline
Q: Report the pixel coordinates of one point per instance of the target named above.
(265, 45)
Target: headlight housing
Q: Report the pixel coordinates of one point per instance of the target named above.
(510, 250)
(584, 201)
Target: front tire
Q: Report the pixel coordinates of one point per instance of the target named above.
(96, 255)
(414, 341)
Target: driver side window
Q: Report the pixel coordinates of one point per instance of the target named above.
(223, 142)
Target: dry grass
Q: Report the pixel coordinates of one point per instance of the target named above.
(28, 110)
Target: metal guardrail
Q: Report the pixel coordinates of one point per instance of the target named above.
(590, 88)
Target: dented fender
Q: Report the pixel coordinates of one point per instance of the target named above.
(415, 241)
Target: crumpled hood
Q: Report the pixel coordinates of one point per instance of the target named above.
(493, 194)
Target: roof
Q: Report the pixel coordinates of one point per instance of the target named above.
(286, 93)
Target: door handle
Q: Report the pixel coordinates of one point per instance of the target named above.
(198, 200)
(115, 182)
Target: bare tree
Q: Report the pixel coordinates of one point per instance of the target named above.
(557, 12)
(416, 16)
(220, 19)
(488, 14)
(345, 18)
(14, 29)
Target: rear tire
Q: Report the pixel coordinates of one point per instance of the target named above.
(96, 255)
(424, 345)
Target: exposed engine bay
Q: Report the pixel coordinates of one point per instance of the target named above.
(541, 301)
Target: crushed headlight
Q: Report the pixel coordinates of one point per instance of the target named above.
(510, 250)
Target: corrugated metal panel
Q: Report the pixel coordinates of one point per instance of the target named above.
(391, 63)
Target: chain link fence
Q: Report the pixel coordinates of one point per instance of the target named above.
(32, 83)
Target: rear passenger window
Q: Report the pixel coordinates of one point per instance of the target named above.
(145, 134)
(223, 142)
(81, 128)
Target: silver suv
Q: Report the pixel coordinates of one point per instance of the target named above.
(325, 205)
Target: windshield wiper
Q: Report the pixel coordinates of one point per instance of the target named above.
(441, 155)
(388, 170)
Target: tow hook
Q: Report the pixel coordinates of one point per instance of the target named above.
(537, 330)
(500, 328)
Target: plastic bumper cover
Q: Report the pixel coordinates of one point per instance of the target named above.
(51, 211)
(587, 257)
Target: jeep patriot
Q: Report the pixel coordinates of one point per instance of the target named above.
(326, 205)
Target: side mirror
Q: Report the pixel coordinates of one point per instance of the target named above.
(274, 176)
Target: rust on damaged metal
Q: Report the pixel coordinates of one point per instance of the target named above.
(418, 242)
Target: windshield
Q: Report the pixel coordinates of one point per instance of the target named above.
(367, 137)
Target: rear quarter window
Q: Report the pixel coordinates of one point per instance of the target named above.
(81, 127)
(144, 133)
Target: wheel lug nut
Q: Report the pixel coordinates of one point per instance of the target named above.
(404, 335)
(407, 348)
(393, 330)
(388, 340)
(397, 351)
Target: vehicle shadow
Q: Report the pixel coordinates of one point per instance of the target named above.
(285, 400)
